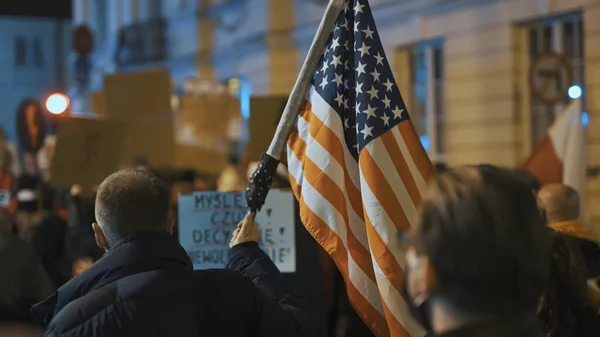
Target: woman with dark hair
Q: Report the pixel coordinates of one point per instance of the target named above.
(566, 308)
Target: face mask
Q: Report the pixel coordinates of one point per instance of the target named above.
(419, 309)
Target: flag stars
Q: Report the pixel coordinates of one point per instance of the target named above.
(371, 111)
(398, 113)
(379, 59)
(387, 102)
(345, 24)
(359, 89)
(367, 131)
(336, 43)
(373, 93)
(375, 75)
(346, 123)
(389, 85)
(358, 8)
(325, 66)
(340, 100)
(361, 68)
(339, 79)
(356, 23)
(368, 33)
(364, 50)
(324, 82)
(386, 119)
(336, 61)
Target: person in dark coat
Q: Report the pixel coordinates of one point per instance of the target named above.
(479, 257)
(49, 241)
(23, 280)
(561, 205)
(145, 284)
(566, 308)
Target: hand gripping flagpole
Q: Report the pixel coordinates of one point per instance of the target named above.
(262, 178)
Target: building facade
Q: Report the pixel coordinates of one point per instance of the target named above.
(33, 62)
(462, 65)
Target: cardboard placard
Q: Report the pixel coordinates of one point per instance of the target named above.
(98, 102)
(208, 115)
(87, 151)
(207, 221)
(143, 100)
(265, 113)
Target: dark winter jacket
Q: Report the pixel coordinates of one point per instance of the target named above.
(145, 286)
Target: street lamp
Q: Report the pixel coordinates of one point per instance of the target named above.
(57, 103)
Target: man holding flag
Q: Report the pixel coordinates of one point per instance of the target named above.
(358, 170)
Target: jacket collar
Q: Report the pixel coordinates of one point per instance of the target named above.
(572, 227)
(133, 255)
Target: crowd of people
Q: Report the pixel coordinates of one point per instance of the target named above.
(492, 254)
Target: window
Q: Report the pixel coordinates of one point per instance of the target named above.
(101, 17)
(427, 108)
(20, 51)
(563, 35)
(38, 52)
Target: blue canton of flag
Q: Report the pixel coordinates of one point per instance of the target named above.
(354, 77)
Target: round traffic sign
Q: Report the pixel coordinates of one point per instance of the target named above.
(83, 40)
(550, 78)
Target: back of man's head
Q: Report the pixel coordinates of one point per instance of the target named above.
(485, 238)
(131, 201)
(560, 202)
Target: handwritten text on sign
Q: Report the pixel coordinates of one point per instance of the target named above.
(207, 221)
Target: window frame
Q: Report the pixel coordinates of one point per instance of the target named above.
(539, 124)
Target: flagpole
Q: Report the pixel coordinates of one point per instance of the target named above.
(261, 179)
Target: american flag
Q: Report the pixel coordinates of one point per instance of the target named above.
(358, 169)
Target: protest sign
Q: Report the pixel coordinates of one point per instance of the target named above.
(208, 114)
(143, 100)
(98, 102)
(207, 221)
(265, 112)
(87, 151)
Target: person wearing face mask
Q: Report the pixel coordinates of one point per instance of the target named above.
(478, 259)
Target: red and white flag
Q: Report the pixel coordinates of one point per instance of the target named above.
(561, 155)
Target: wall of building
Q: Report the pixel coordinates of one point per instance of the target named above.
(487, 98)
(38, 70)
